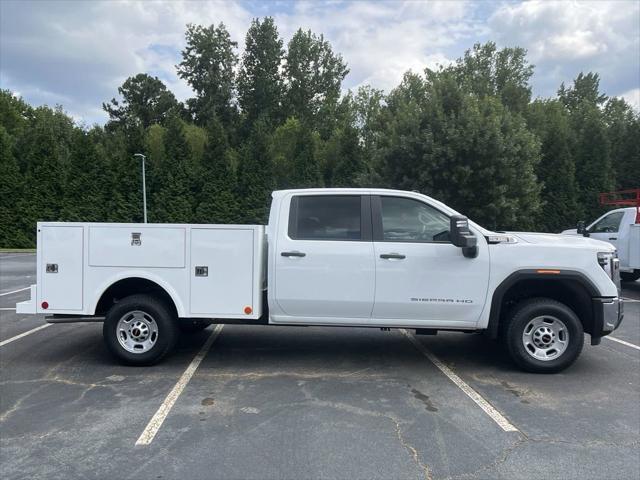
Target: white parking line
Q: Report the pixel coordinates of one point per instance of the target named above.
(18, 337)
(7, 308)
(14, 291)
(156, 421)
(632, 300)
(2, 257)
(614, 339)
(495, 415)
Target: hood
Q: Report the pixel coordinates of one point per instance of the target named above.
(556, 239)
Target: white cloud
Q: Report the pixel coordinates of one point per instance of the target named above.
(382, 40)
(633, 98)
(566, 37)
(78, 53)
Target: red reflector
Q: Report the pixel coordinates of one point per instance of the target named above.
(45, 305)
(638, 216)
(548, 272)
(248, 310)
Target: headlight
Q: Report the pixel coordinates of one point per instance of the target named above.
(604, 258)
(610, 264)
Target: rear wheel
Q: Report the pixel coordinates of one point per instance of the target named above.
(630, 276)
(140, 330)
(544, 335)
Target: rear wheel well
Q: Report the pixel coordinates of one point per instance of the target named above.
(568, 291)
(132, 286)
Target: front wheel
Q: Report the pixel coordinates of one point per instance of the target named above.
(544, 335)
(140, 330)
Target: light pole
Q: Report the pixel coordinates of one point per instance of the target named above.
(144, 186)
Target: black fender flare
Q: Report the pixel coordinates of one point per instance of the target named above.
(532, 274)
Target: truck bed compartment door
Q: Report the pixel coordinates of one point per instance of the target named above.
(60, 283)
(136, 246)
(222, 271)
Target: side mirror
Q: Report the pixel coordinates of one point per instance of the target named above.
(581, 229)
(462, 236)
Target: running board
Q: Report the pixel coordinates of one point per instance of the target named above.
(73, 319)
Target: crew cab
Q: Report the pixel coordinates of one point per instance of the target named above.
(331, 257)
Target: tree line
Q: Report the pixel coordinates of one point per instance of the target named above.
(469, 134)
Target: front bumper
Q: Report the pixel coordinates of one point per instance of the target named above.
(608, 313)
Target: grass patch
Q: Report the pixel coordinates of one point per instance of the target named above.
(17, 250)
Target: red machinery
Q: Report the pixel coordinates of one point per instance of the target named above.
(623, 198)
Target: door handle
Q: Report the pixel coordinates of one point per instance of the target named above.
(397, 256)
(613, 238)
(293, 254)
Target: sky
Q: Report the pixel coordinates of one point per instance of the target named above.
(76, 54)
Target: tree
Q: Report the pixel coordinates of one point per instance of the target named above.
(590, 147)
(124, 197)
(11, 193)
(197, 139)
(145, 101)
(314, 77)
(45, 151)
(154, 145)
(218, 202)
(467, 134)
(592, 156)
(586, 88)
(549, 120)
(84, 191)
(342, 154)
(259, 82)
(362, 124)
(294, 154)
(487, 71)
(343, 162)
(255, 175)
(623, 132)
(208, 63)
(14, 113)
(368, 105)
(400, 147)
(174, 182)
(468, 151)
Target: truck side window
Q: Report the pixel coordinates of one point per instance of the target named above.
(608, 224)
(325, 217)
(407, 220)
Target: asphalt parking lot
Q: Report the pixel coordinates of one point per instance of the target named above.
(295, 402)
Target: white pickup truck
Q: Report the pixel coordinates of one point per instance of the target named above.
(620, 228)
(332, 257)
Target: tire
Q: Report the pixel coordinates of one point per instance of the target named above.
(192, 326)
(140, 330)
(630, 276)
(534, 335)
